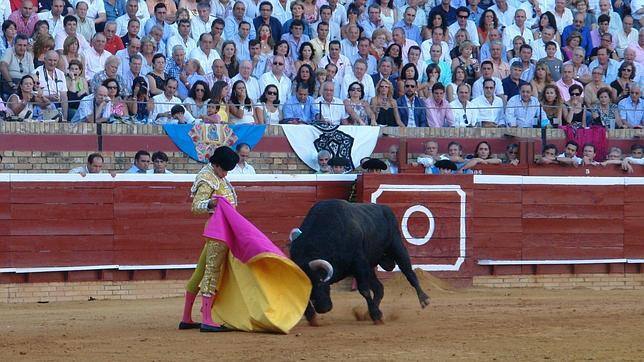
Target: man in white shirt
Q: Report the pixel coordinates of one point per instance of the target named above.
(131, 10)
(331, 108)
(523, 110)
(201, 23)
(54, 17)
(182, 38)
(163, 103)
(252, 85)
(487, 69)
(462, 14)
(437, 36)
(282, 10)
(333, 31)
(338, 13)
(360, 75)
(70, 24)
(464, 115)
(233, 22)
(96, 56)
(563, 15)
(94, 108)
(277, 78)
(626, 36)
(488, 107)
(504, 12)
(605, 7)
(52, 81)
(349, 45)
(539, 45)
(517, 29)
(242, 167)
(204, 53)
(334, 57)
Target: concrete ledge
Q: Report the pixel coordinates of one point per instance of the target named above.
(563, 281)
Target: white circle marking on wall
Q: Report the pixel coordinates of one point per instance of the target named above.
(405, 230)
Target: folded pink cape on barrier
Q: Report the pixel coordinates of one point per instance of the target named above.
(260, 289)
(244, 240)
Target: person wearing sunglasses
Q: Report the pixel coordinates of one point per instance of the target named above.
(575, 111)
(276, 76)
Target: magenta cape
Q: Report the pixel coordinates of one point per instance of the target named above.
(261, 290)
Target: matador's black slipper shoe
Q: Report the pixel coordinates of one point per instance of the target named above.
(208, 328)
(186, 325)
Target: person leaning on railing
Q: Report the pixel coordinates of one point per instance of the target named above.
(27, 104)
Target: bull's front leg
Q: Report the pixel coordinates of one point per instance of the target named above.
(311, 316)
(363, 274)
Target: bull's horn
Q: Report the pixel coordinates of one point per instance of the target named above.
(295, 233)
(322, 264)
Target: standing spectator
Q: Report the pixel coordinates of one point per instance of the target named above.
(631, 109)
(439, 112)
(141, 163)
(523, 110)
(96, 56)
(300, 108)
(94, 165)
(159, 163)
(489, 108)
(410, 106)
(384, 106)
(242, 167)
(331, 109)
(163, 102)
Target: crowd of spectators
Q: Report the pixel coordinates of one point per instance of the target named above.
(404, 63)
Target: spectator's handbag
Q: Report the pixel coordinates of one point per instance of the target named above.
(52, 114)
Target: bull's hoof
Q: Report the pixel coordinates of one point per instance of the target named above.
(424, 303)
(378, 322)
(314, 322)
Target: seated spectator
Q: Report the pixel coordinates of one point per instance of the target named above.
(488, 107)
(141, 163)
(438, 110)
(391, 159)
(27, 103)
(541, 79)
(360, 75)
(164, 102)
(625, 76)
(411, 106)
(464, 114)
(569, 156)
(51, 81)
(197, 101)
(270, 101)
(118, 109)
(384, 106)
(339, 165)
(158, 76)
(77, 86)
(605, 113)
(323, 161)
(455, 154)
(277, 77)
(357, 108)
(300, 108)
(637, 155)
(241, 108)
(548, 156)
(553, 63)
(523, 110)
(589, 155)
(511, 155)
(429, 157)
(159, 163)
(615, 157)
(15, 63)
(487, 70)
(482, 156)
(443, 167)
(631, 109)
(512, 83)
(140, 104)
(218, 101)
(243, 167)
(94, 108)
(552, 104)
(596, 83)
(192, 73)
(178, 115)
(575, 113)
(331, 108)
(110, 71)
(566, 82)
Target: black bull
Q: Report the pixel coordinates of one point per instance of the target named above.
(340, 239)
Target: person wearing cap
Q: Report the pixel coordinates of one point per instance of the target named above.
(210, 181)
(373, 165)
(338, 165)
(443, 167)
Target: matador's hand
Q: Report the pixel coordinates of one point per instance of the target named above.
(212, 203)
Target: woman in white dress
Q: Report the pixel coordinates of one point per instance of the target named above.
(388, 13)
(270, 112)
(241, 108)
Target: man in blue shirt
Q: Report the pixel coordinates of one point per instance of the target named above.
(300, 108)
(631, 109)
(578, 26)
(445, 9)
(141, 162)
(513, 82)
(158, 19)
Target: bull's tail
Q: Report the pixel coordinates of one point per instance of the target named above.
(400, 254)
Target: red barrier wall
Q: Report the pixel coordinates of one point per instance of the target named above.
(456, 226)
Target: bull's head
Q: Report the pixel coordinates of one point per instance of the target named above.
(320, 272)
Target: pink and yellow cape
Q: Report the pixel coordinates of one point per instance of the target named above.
(260, 289)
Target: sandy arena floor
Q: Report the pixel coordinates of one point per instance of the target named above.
(515, 324)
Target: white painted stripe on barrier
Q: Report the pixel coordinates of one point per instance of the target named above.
(634, 180)
(551, 262)
(635, 261)
(498, 179)
(7, 270)
(132, 177)
(156, 267)
(64, 268)
(557, 180)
